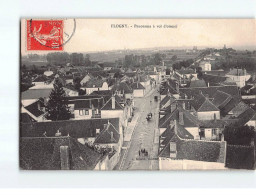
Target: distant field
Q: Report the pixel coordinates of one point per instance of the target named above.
(31, 63)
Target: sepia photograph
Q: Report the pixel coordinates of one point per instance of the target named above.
(137, 94)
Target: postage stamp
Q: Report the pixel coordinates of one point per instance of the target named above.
(45, 34)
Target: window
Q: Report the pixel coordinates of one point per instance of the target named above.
(81, 112)
(86, 112)
(97, 131)
(202, 133)
(214, 131)
(96, 111)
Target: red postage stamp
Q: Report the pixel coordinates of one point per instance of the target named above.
(45, 34)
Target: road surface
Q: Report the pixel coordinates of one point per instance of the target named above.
(144, 136)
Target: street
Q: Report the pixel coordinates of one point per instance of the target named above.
(144, 136)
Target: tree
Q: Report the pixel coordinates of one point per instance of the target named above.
(57, 107)
(77, 83)
(236, 135)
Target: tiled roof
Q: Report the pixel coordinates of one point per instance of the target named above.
(165, 120)
(189, 119)
(105, 136)
(108, 105)
(137, 86)
(190, 149)
(213, 124)
(35, 94)
(89, 103)
(123, 87)
(25, 118)
(221, 98)
(239, 109)
(102, 92)
(33, 109)
(40, 79)
(44, 154)
(210, 91)
(94, 83)
(165, 100)
(246, 116)
(186, 71)
(197, 83)
(170, 90)
(74, 128)
(207, 106)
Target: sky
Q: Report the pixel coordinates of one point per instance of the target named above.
(97, 34)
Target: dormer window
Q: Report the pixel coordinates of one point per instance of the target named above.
(97, 131)
(81, 112)
(86, 111)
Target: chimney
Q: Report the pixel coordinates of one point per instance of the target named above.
(58, 134)
(181, 119)
(214, 117)
(208, 84)
(90, 103)
(137, 84)
(64, 158)
(113, 100)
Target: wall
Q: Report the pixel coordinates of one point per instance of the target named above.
(193, 131)
(138, 92)
(128, 96)
(240, 80)
(208, 115)
(169, 164)
(78, 116)
(251, 123)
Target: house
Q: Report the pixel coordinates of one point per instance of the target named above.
(197, 83)
(86, 79)
(186, 73)
(154, 75)
(170, 90)
(138, 90)
(70, 90)
(208, 111)
(205, 65)
(238, 109)
(166, 101)
(35, 110)
(212, 130)
(179, 151)
(87, 108)
(41, 80)
(59, 153)
(112, 109)
(145, 82)
(123, 89)
(86, 132)
(95, 85)
(239, 76)
(184, 118)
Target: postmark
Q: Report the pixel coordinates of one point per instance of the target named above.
(49, 34)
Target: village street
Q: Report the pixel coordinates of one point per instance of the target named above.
(142, 134)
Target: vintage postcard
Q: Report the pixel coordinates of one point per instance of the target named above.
(137, 94)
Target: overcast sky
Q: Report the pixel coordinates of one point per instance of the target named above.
(97, 34)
